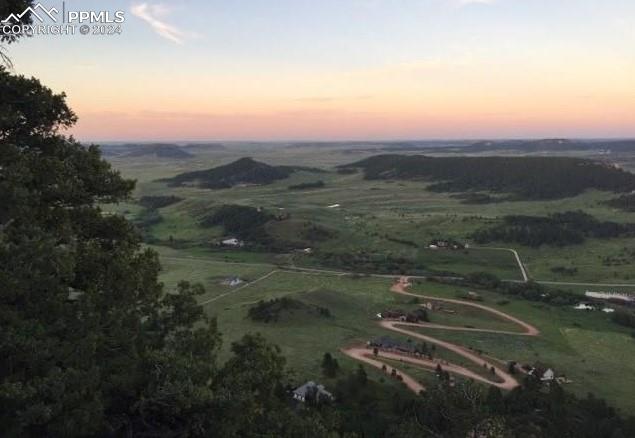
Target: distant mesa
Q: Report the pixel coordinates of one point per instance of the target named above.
(245, 171)
(203, 147)
(552, 145)
(529, 178)
(133, 150)
(547, 145)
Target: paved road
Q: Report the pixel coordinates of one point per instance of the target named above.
(293, 268)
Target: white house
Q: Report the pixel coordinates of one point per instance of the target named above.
(232, 281)
(232, 242)
(583, 306)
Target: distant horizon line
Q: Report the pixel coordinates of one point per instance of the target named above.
(397, 140)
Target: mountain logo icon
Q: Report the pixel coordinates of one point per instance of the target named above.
(37, 11)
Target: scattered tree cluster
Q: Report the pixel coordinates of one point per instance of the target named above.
(530, 291)
(145, 220)
(372, 263)
(624, 317)
(400, 241)
(244, 222)
(330, 367)
(316, 233)
(272, 310)
(559, 229)
(564, 270)
(151, 216)
(307, 186)
(156, 202)
(477, 198)
(442, 375)
(624, 202)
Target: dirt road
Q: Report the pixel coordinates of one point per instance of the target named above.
(507, 381)
(365, 355)
(403, 283)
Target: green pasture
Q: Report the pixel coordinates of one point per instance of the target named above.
(585, 346)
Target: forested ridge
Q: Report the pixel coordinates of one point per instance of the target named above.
(522, 177)
(558, 229)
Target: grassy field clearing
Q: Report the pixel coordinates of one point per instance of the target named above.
(585, 346)
(469, 317)
(605, 261)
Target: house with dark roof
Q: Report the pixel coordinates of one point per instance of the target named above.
(312, 391)
(387, 343)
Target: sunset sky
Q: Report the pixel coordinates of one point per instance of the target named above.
(346, 69)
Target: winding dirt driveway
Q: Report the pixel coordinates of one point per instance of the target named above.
(403, 283)
(507, 381)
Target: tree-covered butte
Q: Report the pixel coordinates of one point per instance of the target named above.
(520, 178)
(558, 229)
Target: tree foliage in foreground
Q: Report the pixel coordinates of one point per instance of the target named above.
(90, 342)
(8, 7)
